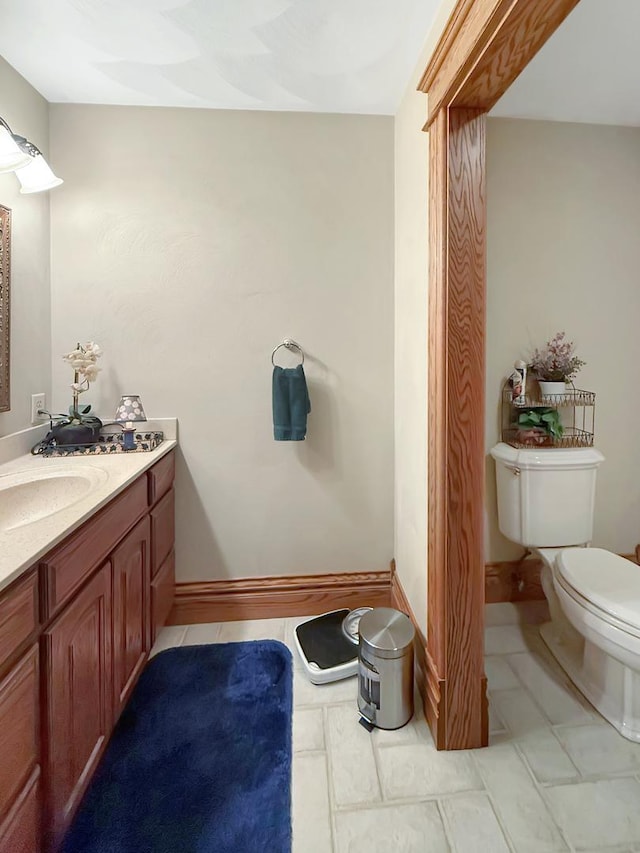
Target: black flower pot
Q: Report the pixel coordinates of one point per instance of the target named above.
(84, 433)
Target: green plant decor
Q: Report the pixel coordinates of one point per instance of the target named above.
(542, 418)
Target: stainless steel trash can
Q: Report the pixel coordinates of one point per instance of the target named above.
(385, 668)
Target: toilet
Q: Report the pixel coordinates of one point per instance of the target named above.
(546, 503)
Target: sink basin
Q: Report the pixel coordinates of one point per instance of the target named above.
(29, 496)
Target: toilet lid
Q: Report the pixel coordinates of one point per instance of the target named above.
(608, 581)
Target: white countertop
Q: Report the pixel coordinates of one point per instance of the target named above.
(22, 546)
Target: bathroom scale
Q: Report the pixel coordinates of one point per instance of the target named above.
(328, 644)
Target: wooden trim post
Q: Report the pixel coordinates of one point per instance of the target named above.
(483, 48)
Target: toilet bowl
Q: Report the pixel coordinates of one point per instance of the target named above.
(594, 633)
(546, 503)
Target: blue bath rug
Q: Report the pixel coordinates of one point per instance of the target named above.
(200, 761)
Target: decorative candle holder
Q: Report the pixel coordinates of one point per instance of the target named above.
(130, 412)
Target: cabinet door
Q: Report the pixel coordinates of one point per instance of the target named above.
(163, 531)
(79, 699)
(18, 615)
(131, 610)
(20, 832)
(19, 744)
(161, 477)
(162, 593)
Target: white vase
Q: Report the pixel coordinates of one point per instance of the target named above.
(553, 390)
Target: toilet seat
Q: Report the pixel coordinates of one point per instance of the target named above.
(604, 583)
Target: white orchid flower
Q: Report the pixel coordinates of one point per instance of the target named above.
(83, 362)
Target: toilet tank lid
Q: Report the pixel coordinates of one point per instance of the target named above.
(549, 458)
(610, 582)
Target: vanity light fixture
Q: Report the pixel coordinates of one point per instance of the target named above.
(19, 155)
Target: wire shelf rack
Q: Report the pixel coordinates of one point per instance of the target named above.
(572, 397)
(576, 414)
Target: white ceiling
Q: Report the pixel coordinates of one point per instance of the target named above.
(588, 71)
(314, 55)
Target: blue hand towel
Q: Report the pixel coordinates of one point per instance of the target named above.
(291, 403)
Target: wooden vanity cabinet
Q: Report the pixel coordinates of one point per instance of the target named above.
(74, 636)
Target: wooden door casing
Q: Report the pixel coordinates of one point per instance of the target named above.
(131, 610)
(484, 46)
(77, 651)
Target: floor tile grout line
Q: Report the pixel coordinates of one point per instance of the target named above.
(599, 721)
(308, 752)
(330, 789)
(410, 801)
(541, 791)
(376, 761)
(333, 833)
(509, 841)
(568, 685)
(593, 777)
(486, 793)
(515, 739)
(307, 706)
(448, 830)
(502, 824)
(580, 775)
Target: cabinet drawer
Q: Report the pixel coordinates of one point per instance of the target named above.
(161, 477)
(162, 593)
(64, 570)
(163, 531)
(19, 727)
(20, 832)
(18, 615)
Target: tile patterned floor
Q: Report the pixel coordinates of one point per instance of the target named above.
(556, 776)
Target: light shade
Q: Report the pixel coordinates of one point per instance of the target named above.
(11, 156)
(37, 176)
(130, 409)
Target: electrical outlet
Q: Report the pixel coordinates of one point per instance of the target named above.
(38, 401)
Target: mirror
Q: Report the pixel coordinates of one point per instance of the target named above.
(5, 280)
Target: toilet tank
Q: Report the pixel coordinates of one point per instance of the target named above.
(546, 496)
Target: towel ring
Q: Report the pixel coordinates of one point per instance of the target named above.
(290, 345)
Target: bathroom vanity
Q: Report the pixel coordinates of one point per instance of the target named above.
(76, 628)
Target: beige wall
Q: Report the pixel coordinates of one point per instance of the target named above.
(564, 254)
(411, 297)
(27, 113)
(189, 243)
